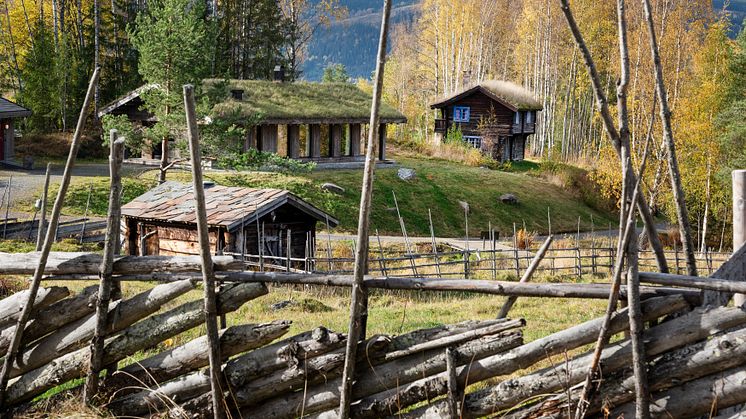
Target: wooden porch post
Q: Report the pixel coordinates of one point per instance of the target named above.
(335, 140)
(354, 140)
(293, 141)
(269, 138)
(314, 139)
(382, 142)
(250, 140)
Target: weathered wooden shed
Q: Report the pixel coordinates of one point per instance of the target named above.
(495, 116)
(9, 112)
(162, 221)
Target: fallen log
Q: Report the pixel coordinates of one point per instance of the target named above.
(54, 316)
(376, 378)
(12, 306)
(287, 353)
(144, 334)
(77, 334)
(698, 324)
(81, 263)
(389, 402)
(695, 398)
(149, 372)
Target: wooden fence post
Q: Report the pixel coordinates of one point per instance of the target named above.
(116, 157)
(359, 300)
(43, 216)
(208, 276)
(15, 341)
(526, 276)
(515, 253)
(739, 220)
(7, 205)
(85, 214)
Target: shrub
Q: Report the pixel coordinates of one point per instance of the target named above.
(525, 239)
(260, 160)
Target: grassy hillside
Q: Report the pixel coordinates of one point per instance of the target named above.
(439, 186)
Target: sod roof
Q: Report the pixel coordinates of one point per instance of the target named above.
(509, 94)
(300, 102)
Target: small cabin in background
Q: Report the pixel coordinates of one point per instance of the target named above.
(9, 112)
(495, 116)
(162, 221)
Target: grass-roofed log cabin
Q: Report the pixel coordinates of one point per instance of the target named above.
(495, 116)
(321, 122)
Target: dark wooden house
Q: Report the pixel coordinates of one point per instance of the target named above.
(320, 122)
(495, 116)
(163, 222)
(9, 112)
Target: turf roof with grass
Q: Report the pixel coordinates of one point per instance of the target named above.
(298, 102)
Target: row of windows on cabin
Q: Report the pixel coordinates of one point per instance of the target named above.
(462, 114)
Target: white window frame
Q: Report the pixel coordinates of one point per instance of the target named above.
(473, 140)
(517, 119)
(529, 117)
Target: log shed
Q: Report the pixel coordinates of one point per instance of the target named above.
(162, 221)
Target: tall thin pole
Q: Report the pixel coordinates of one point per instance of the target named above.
(208, 275)
(15, 341)
(359, 301)
(739, 220)
(43, 216)
(107, 266)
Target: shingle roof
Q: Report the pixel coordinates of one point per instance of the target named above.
(226, 205)
(9, 109)
(510, 94)
(301, 102)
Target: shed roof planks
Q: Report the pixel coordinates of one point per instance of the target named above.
(10, 109)
(513, 96)
(227, 206)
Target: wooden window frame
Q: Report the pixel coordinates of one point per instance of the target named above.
(463, 113)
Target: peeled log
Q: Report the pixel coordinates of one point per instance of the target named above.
(384, 376)
(12, 306)
(698, 324)
(178, 361)
(143, 334)
(54, 316)
(387, 403)
(259, 362)
(77, 334)
(81, 263)
(695, 398)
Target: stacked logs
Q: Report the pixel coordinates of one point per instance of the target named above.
(304, 368)
(55, 348)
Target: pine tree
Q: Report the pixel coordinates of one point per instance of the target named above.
(171, 38)
(41, 83)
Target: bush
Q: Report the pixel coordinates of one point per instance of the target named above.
(525, 239)
(57, 146)
(259, 160)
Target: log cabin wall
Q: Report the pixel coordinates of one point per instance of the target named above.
(480, 106)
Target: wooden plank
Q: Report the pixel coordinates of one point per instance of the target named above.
(293, 141)
(268, 140)
(314, 139)
(335, 140)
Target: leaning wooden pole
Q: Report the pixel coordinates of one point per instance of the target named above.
(677, 190)
(116, 157)
(359, 303)
(739, 220)
(526, 276)
(43, 216)
(15, 341)
(208, 275)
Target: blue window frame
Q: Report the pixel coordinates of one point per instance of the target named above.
(460, 114)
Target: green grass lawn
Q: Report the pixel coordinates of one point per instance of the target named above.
(438, 186)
